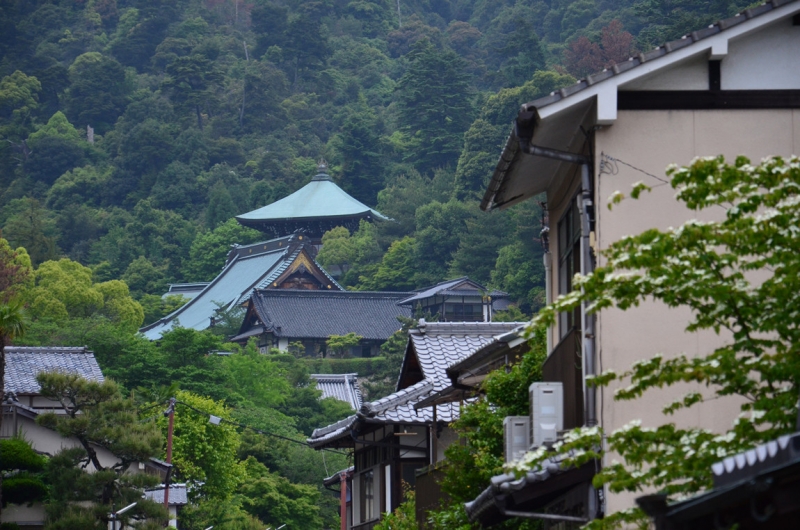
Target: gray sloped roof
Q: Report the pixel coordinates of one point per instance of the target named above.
(459, 287)
(247, 268)
(24, 363)
(295, 313)
(343, 387)
(319, 199)
(438, 345)
(487, 507)
(177, 495)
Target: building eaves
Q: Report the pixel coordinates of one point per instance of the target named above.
(585, 90)
(489, 506)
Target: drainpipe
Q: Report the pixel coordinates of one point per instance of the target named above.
(548, 279)
(587, 320)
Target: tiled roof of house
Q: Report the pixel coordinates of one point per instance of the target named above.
(486, 508)
(248, 267)
(343, 387)
(295, 313)
(436, 345)
(459, 287)
(177, 495)
(745, 465)
(24, 363)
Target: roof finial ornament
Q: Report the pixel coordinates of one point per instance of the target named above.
(322, 170)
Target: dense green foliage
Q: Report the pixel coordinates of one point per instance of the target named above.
(203, 109)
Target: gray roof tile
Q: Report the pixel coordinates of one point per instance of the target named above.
(247, 267)
(24, 363)
(343, 387)
(437, 345)
(295, 313)
(177, 495)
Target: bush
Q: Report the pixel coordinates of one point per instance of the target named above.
(363, 366)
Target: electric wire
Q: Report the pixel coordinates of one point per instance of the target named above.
(259, 431)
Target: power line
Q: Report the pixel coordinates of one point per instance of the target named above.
(608, 166)
(259, 431)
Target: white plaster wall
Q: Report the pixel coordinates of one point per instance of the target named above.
(650, 140)
(689, 75)
(767, 59)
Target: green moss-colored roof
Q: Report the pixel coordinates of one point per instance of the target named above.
(319, 199)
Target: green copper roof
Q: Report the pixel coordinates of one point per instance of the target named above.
(319, 199)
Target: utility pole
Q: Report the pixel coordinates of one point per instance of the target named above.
(170, 412)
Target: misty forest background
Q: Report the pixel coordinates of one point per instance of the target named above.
(205, 109)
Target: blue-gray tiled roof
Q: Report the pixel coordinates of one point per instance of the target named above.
(343, 387)
(247, 267)
(296, 313)
(24, 363)
(437, 345)
(177, 495)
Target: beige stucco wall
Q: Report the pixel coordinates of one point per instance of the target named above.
(650, 140)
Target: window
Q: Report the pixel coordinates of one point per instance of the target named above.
(569, 263)
(367, 491)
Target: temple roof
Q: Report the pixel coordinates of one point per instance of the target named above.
(320, 199)
(297, 314)
(248, 267)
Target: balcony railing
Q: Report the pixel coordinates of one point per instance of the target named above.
(564, 366)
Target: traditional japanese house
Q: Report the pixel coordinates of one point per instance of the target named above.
(283, 263)
(459, 300)
(23, 402)
(731, 88)
(279, 318)
(391, 438)
(317, 207)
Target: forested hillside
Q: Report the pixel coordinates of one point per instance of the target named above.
(203, 109)
(132, 131)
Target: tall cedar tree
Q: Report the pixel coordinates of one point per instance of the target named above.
(434, 106)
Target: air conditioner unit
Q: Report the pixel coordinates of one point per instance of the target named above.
(516, 437)
(262, 350)
(547, 412)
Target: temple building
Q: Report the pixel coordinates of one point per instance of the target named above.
(282, 263)
(314, 209)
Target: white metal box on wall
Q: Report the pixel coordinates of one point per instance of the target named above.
(547, 412)
(516, 437)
